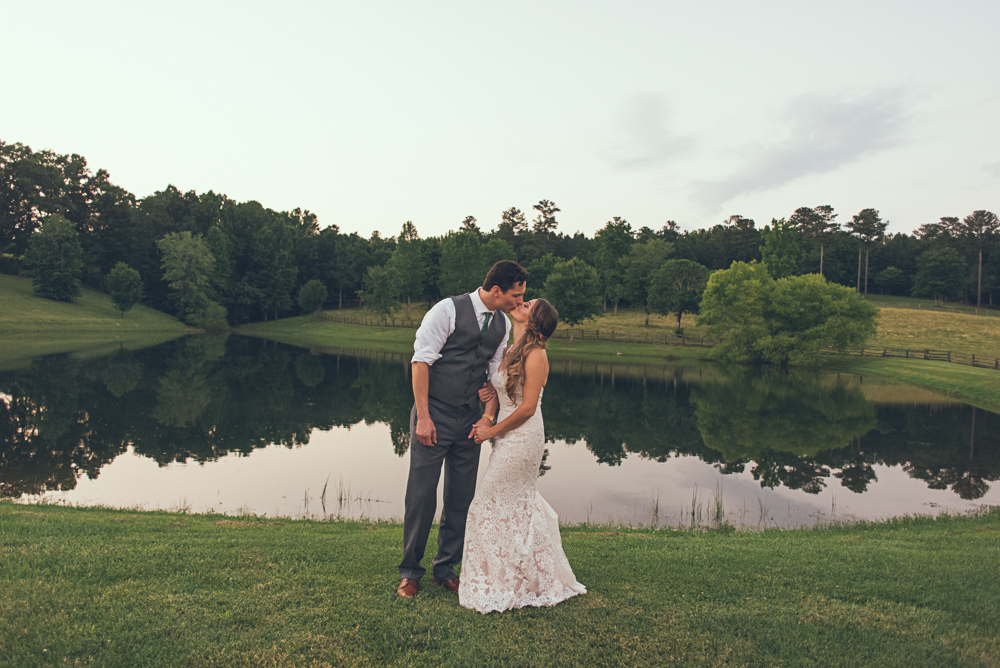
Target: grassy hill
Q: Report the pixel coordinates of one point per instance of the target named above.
(31, 326)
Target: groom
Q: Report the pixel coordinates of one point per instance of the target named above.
(459, 345)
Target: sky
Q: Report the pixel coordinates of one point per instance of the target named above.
(373, 113)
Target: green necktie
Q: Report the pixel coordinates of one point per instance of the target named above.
(486, 323)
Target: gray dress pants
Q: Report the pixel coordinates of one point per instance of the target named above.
(460, 457)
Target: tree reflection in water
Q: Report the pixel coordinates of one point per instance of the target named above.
(202, 398)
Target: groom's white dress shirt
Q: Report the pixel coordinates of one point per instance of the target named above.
(439, 324)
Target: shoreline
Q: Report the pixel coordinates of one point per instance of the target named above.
(973, 385)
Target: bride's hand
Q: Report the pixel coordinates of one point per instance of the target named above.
(482, 431)
(487, 392)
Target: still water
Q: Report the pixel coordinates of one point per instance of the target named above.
(248, 426)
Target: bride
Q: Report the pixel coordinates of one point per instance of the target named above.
(513, 554)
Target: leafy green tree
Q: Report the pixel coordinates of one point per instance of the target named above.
(677, 287)
(54, 260)
(784, 321)
(889, 279)
(381, 292)
(940, 274)
(274, 271)
(574, 289)
(612, 243)
(209, 316)
(188, 265)
(538, 272)
(815, 225)
(408, 261)
(780, 249)
(124, 284)
(977, 229)
(638, 267)
(461, 263)
(312, 296)
(492, 252)
(543, 229)
(512, 225)
(867, 227)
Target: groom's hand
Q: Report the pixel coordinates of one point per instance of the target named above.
(426, 431)
(483, 424)
(487, 392)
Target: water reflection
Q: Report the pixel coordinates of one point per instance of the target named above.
(202, 399)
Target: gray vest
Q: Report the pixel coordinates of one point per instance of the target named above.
(456, 377)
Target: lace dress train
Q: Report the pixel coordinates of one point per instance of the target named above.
(513, 554)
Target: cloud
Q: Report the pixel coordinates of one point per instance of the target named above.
(821, 133)
(645, 140)
(993, 169)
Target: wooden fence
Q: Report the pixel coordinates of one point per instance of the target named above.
(981, 361)
(670, 339)
(661, 338)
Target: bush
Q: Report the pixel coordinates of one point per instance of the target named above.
(312, 296)
(211, 317)
(10, 265)
(785, 321)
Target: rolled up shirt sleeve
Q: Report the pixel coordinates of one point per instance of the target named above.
(438, 324)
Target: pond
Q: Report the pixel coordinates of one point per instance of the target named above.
(247, 426)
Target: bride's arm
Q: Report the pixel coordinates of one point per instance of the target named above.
(484, 422)
(536, 371)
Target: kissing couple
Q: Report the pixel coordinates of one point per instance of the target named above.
(504, 533)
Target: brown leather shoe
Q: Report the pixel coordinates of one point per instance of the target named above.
(450, 584)
(407, 587)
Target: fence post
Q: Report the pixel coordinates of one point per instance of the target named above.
(682, 339)
(973, 359)
(612, 335)
(598, 333)
(949, 355)
(884, 351)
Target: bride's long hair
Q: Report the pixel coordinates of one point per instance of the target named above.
(542, 321)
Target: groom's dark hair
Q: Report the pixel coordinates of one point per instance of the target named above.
(504, 274)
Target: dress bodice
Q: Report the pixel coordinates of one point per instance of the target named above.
(499, 382)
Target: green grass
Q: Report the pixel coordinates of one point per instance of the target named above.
(628, 323)
(961, 333)
(929, 304)
(980, 387)
(126, 588)
(31, 326)
(307, 332)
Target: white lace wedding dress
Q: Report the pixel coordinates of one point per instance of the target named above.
(513, 554)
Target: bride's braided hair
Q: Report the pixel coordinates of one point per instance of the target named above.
(542, 321)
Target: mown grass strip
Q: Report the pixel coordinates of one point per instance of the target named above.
(980, 387)
(308, 332)
(31, 326)
(124, 588)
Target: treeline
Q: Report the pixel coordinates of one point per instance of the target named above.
(205, 255)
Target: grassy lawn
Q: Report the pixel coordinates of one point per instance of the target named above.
(31, 327)
(127, 588)
(307, 332)
(980, 387)
(628, 323)
(920, 303)
(961, 333)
